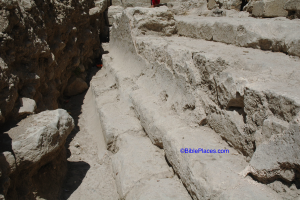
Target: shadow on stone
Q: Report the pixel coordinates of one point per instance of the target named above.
(74, 177)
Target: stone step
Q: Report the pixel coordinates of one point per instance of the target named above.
(237, 87)
(246, 95)
(279, 34)
(139, 161)
(139, 167)
(205, 175)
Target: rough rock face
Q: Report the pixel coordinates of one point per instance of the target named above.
(43, 45)
(33, 163)
(281, 160)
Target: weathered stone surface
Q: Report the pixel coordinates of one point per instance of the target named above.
(42, 45)
(137, 159)
(277, 158)
(292, 5)
(225, 4)
(116, 2)
(76, 86)
(38, 147)
(113, 10)
(182, 7)
(271, 126)
(241, 90)
(293, 8)
(205, 175)
(230, 126)
(28, 106)
(266, 8)
(266, 34)
(45, 133)
(147, 21)
(163, 189)
(228, 87)
(126, 123)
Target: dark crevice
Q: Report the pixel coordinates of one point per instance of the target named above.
(244, 3)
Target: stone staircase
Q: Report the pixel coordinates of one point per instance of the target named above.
(160, 92)
(275, 34)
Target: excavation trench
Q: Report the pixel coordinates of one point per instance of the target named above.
(132, 159)
(89, 169)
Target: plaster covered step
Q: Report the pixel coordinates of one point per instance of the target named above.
(163, 189)
(205, 175)
(116, 119)
(138, 162)
(279, 34)
(140, 168)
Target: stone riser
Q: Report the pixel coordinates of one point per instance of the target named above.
(266, 34)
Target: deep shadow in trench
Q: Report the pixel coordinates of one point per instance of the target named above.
(244, 2)
(76, 170)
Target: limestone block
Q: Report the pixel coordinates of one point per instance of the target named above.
(28, 106)
(277, 34)
(292, 5)
(137, 159)
(36, 155)
(271, 126)
(146, 20)
(40, 135)
(116, 119)
(206, 175)
(230, 126)
(278, 157)
(269, 8)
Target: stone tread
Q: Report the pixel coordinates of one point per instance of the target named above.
(201, 173)
(279, 34)
(137, 163)
(262, 70)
